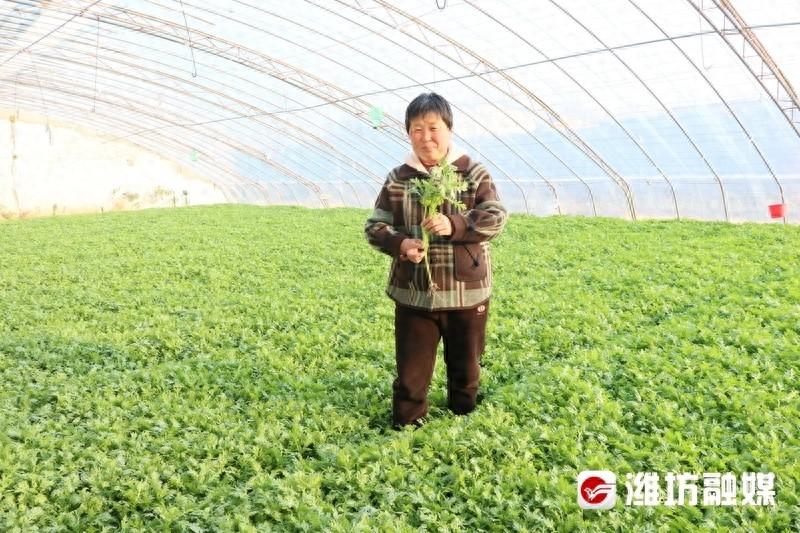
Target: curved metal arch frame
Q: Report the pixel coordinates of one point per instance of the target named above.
(238, 178)
(350, 162)
(259, 113)
(300, 82)
(254, 59)
(727, 105)
(383, 88)
(464, 141)
(521, 156)
(669, 113)
(38, 82)
(552, 188)
(344, 201)
(588, 93)
(397, 122)
(386, 89)
(173, 107)
(566, 131)
(105, 124)
(645, 85)
(142, 112)
(154, 33)
(509, 176)
(165, 146)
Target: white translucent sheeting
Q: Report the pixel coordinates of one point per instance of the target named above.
(700, 198)
(654, 197)
(624, 108)
(299, 194)
(367, 193)
(280, 193)
(766, 12)
(349, 194)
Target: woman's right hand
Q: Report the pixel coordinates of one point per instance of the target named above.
(412, 250)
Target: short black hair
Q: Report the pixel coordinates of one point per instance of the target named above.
(429, 103)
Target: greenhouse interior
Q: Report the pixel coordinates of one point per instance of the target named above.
(194, 334)
(632, 109)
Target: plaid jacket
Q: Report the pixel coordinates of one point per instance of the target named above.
(460, 264)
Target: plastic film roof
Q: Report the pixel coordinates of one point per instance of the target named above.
(631, 108)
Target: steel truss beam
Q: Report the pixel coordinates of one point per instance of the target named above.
(727, 105)
(733, 28)
(753, 55)
(589, 94)
(655, 97)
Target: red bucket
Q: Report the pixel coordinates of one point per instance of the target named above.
(777, 210)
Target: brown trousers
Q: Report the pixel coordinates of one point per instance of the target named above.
(417, 334)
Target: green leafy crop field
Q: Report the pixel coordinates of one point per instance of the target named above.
(230, 367)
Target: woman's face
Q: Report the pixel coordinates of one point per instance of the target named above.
(429, 137)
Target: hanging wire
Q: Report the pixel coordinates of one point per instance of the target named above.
(16, 103)
(96, 54)
(189, 39)
(41, 95)
(700, 31)
(51, 32)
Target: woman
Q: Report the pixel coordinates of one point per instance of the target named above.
(455, 308)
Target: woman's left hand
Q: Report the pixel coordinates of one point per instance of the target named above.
(438, 224)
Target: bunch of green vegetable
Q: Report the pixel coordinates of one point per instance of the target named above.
(443, 185)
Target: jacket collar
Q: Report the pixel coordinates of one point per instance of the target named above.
(413, 166)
